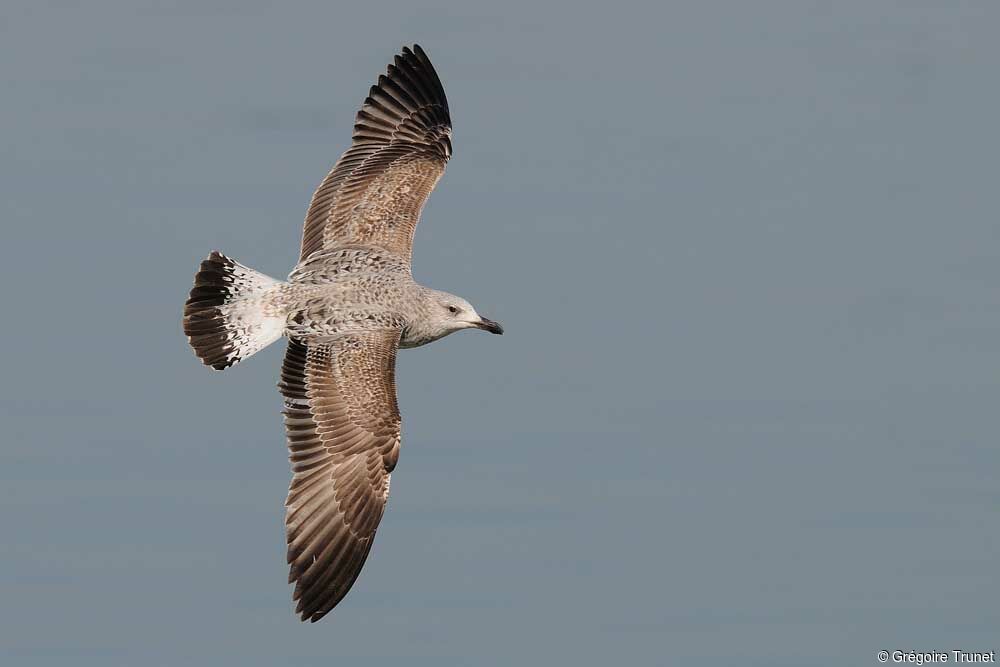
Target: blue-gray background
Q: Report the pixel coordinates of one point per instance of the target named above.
(746, 411)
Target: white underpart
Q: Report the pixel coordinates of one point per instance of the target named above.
(251, 325)
(251, 322)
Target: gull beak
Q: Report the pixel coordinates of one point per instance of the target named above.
(489, 325)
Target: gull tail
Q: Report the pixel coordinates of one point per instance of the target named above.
(230, 313)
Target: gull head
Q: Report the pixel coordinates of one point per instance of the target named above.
(454, 313)
(442, 313)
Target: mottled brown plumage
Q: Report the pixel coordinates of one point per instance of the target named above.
(402, 141)
(343, 438)
(346, 308)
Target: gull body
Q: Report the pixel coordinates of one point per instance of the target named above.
(364, 289)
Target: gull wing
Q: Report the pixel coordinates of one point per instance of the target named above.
(343, 429)
(402, 141)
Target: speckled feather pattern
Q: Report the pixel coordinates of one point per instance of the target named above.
(349, 290)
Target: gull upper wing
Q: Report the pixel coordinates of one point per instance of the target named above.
(343, 429)
(402, 141)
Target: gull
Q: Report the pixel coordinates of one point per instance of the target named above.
(345, 309)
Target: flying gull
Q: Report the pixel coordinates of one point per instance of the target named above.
(346, 308)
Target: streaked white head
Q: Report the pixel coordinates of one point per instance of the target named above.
(443, 313)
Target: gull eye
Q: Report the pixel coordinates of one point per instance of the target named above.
(453, 310)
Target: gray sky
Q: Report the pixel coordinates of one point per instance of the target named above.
(745, 411)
